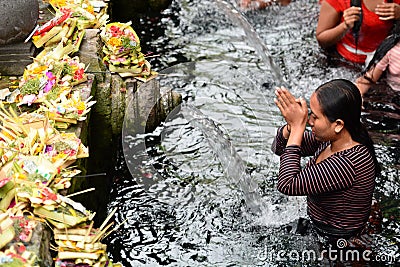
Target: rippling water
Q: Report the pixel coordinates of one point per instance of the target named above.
(196, 213)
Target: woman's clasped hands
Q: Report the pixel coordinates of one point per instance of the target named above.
(295, 112)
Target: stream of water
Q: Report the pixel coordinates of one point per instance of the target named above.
(213, 198)
(253, 39)
(233, 165)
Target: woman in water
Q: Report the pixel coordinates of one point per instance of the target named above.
(339, 180)
(355, 27)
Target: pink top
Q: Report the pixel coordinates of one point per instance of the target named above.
(391, 63)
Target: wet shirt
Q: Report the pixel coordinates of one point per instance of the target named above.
(391, 63)
(371, 34)
(339, 189)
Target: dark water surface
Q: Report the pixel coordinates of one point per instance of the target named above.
(213, 154)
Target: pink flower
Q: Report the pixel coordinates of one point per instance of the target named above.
(23, 237)
(51, 81)
(115, 31)
(78, 75)
(29, 99)
(4, 181)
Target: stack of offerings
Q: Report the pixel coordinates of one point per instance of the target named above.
(81, 245)
(17, 255)
(52, 83)
(16, 229)
(123, 52)
(69, 24)
(35, 157)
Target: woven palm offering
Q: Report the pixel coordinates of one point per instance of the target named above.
(123, 52)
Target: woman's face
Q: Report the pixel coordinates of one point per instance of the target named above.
(322, 128)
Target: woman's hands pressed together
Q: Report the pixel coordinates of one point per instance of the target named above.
(295, 112)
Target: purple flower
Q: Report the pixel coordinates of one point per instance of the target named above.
(51, 81)
(48, 149)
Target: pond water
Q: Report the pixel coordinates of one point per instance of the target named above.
(213, 198)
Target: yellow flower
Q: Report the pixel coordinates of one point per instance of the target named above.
(39, 69)
(7, 135)
(39, 149)
(58, 3)
(90, 9)
(114, 41)
(59, 156)
(80, 105)
(21, 176)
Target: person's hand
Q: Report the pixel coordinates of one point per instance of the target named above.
(255, 4)
(294, 110)
(387, 11)
(350, 16)
(244, 3)
(363, 85)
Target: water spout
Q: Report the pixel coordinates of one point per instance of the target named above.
(254, 39)
(234, 167)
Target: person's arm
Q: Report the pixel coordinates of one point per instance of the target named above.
(285, 2)
(308, 146)
(332, 174)
(372, 75)
(330, 29)
(369, 78)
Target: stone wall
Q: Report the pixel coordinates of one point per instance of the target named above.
(113, 95)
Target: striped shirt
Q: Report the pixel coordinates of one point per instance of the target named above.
(391, 63)
(339, 189)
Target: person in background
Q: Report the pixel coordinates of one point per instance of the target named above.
(339, 179)
(261, 4)
(386, 60)
(355, 28)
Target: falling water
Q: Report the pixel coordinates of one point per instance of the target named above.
(253, 38)
(203, 224)
(233, 165)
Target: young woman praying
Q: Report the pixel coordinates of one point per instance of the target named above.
(339, 179)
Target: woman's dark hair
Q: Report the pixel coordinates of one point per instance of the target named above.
(341, 99)
(387, 44)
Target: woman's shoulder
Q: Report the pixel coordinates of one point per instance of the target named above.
(339, 5)
(357, 153)
(358, 148)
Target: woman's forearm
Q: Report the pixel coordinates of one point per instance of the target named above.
(296, 137)
(330, 37)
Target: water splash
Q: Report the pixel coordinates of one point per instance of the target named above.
(253, 38)
(234, 167)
